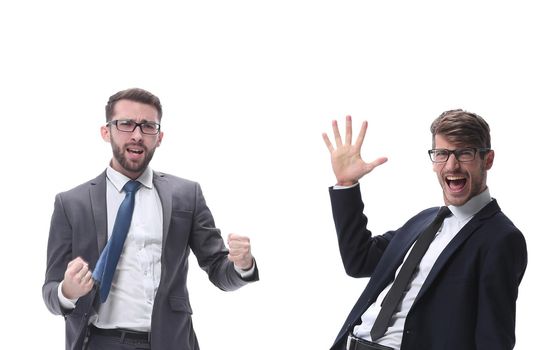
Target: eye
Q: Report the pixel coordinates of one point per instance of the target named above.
(465, 153)
(125, 123)
(149, 126)
(441, 154)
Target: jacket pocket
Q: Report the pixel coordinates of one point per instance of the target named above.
(182, 213)
(180, 304)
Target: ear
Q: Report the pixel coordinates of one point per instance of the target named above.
(489, 160)
(105, 133)
(160, 137)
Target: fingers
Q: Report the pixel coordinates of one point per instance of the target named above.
(87, 282)
(336, 133)
(78, 279)
(240, 251)
(361, 135)
(348, 138)
(347, 134)
(337, 137)
(75, 265)
(84, 276)
(375, 164)
(379, 161)
(238, 244)
(328, 142)
(84, 280)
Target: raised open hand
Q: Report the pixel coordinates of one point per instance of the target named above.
(347, 162)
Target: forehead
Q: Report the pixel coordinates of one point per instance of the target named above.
(127, 109)
(441, 141)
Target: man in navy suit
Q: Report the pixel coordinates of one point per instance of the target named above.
(462, 293)
(148, 304)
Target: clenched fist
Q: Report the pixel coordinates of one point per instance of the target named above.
(78, 280)
(240, 251)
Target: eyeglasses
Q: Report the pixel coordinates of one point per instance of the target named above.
(127, 125)
(441, 155)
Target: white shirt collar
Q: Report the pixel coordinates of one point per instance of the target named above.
(119, 180)
(473, 206)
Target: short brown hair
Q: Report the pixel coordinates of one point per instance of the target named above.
(136, 95)
(462, 127)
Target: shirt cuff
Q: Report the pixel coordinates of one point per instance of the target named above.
(68, 304)
(245, 273)
(338, 187)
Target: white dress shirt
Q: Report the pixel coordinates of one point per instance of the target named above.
(136, 280)
(449, 229)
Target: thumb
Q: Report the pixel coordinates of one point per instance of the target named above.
(231, 236)
(375, 163)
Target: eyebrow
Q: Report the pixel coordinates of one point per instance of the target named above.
(141, 121)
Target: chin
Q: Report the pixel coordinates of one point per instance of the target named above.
(455, 201)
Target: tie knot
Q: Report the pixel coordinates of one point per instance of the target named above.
(131, 186)
(443, 213)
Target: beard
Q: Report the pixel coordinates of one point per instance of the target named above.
(476, 180)
(119, 153)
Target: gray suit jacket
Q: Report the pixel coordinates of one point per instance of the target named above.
(79, 228)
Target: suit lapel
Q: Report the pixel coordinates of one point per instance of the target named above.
(489, 210)
(98, 200)
(393, 257)
(165, 195)
(98, 195)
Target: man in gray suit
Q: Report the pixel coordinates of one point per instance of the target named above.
(147, 306)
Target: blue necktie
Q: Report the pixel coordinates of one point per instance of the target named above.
(107, 263)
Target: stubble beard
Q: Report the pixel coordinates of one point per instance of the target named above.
(119, 154)
(476, 187)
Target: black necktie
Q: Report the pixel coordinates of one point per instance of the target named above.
(394, 296)
(105, 267)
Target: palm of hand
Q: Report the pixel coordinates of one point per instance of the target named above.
(348, 165)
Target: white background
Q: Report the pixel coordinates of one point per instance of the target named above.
(247, 89)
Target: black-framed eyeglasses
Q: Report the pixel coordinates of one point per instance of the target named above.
(127, 125)
(441, 155)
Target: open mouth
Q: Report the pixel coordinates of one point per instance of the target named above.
(456, 183)
(135, 151)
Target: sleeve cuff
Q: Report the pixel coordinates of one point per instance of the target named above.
(246, 273)
(337, 187)
(68, 304)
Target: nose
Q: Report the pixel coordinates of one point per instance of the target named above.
(452, 162)
(137, 133)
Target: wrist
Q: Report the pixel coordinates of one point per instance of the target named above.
(346, 183)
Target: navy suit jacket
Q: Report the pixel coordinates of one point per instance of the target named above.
(79, 228)
(468, 299)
